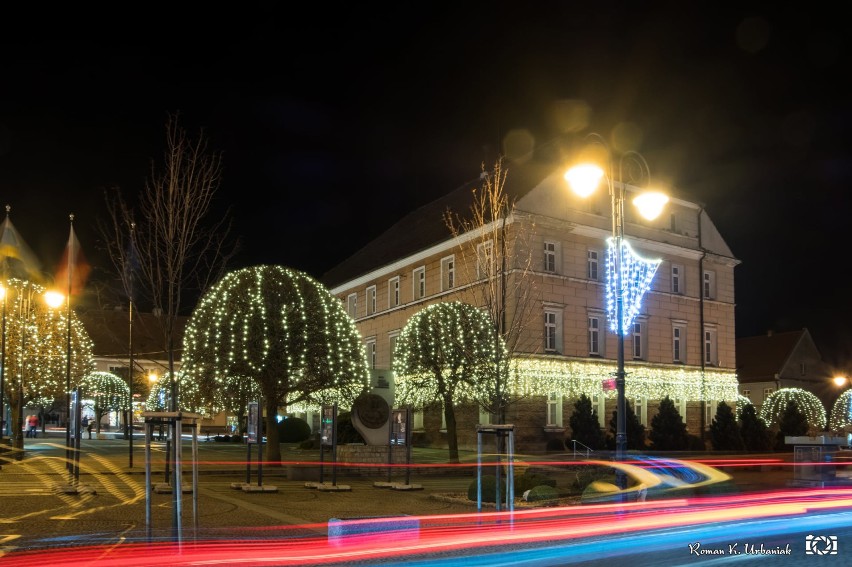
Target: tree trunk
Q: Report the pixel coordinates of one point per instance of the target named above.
(452, 437)
(273, 444)
(17, 427)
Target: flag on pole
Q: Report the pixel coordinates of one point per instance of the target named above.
(73, 269)
(16, 257)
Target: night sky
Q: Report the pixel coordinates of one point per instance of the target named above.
(337, 121)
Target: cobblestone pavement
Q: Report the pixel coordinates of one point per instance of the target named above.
(41, 504)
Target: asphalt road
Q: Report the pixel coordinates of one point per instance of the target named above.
(42, 505)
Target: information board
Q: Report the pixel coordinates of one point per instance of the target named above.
(253, 422)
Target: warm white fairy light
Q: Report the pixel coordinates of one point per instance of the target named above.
(542, 375)
(636, 276)
(841, 412)
(107, 391)
(810, 405)
(448, 346)
(36, 344)
(281, 328)
(742, 402)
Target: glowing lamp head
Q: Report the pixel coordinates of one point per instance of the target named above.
(54, 299)
(584, 179)
(839, 381)
(651, 204)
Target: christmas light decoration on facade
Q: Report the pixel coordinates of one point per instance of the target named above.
(636, 276)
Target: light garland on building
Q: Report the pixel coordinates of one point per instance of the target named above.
(636, 276)
(540, 376)
(807, 402)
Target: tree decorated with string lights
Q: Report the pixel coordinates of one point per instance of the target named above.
(446, 353)
(107, 393)
(285, 331)
(807, 402)
(841, 412)
(36, 349)
(742, 402)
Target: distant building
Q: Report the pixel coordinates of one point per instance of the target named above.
(682, 343)
(767, 363)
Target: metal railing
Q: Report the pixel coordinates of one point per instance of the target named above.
(585, 451)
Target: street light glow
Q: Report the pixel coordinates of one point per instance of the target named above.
(584, 178)
(53, 299)
(651, 203)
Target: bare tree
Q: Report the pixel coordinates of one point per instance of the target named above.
(171, 250)
(499, 259)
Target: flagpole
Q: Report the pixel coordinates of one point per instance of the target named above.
(130, 340)
(68, 445)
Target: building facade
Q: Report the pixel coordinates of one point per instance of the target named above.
(547, 257)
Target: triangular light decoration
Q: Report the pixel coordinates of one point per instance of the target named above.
(636, 276)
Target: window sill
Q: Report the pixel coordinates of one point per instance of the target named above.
(554, 429)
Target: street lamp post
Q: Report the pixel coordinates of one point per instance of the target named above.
(584, 179)
(3, 366)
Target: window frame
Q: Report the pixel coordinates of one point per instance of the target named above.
(418, 283)
(593, 264)
(553, 410)
(677, 279)
(556, 326)
(679, 343)
(550, 257)
(394, 299)
(371, 300)
(711, 345)
(708, 284)
(352, 305)
(595, 344)
(448, 272)
(485, 259)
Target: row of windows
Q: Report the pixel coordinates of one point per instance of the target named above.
(636, 338)
(418, 278)
(552, 261)
(485, 256)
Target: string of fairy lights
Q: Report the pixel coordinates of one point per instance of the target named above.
(807, 402)
(636, 276)
(284, 329)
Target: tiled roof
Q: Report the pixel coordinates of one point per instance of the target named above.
(110, 332)
(760, 358)
(425, 226)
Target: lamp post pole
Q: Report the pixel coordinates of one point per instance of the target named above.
(584, 179)
(617, 197)
(3, 416)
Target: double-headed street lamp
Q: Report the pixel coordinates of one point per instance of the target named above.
(628, 276)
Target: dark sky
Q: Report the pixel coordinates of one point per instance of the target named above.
(337, 121)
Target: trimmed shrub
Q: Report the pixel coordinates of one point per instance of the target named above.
(542, 493)
(525, 482)
(293, 430)
(489, 489)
